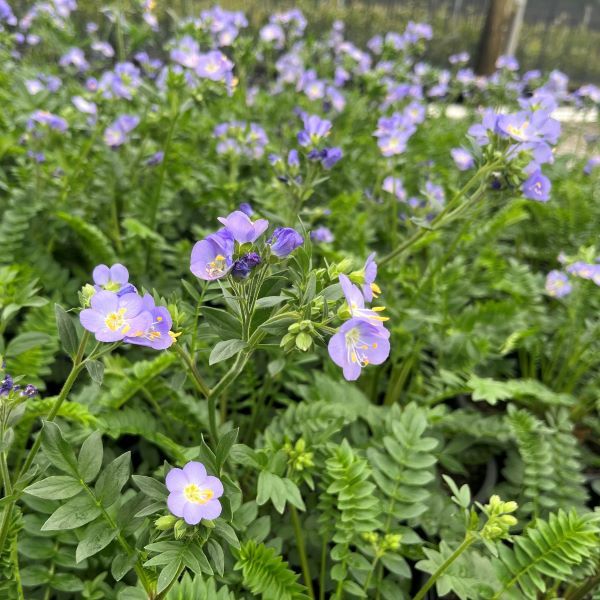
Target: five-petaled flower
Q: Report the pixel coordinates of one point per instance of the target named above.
(111, 317)
(359, 343)
(212, 257)
(193, 493)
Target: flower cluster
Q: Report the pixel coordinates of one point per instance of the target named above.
(362, 340)
(241, 139)
(530, 133)
(114, 311)
(393, 133)
(233, 249)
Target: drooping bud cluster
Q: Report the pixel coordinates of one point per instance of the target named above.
(500, 519)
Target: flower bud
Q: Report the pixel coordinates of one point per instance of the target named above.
(165, 523)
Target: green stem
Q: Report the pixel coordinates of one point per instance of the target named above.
(78, 364)
(302, 551)
(323, 573)
(189, 363)
(448, 213)
(581, 592)
(16, 572)
(370, 575)
(469, 539)
(138, 567)
(5, 475)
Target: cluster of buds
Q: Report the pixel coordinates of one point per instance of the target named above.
(499, 519)
(300, 335)
(390, 542)
(298, 458)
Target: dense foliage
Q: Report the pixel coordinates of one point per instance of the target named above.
(201, 395)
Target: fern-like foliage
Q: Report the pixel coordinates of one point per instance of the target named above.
(198, 588)
(548, 551)
(265, 573)
(404, 464)
(348, 506)
(548, 469)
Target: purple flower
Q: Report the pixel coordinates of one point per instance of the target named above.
(537, 187)
(112, 278)
(509, 63)
(394, 185)
(214, 66)
(112, 317)
(246, 209)
(155, 159)
(462, 159)
(116, 133)
(460, 58)
(6, 13)
(435, 194)
(272, 33)
(122, 82)
(314, 130)
(75, 57)
(592, 164)
(43, 117)
(243, 266)
(356, 300)
(331, 157)
(242, 228)
(369, 287)
(293, 160)
(584, 270)
(6, 385)
(186, 52)
(84, 106)
(322, 235)
(557, 284)
(193, 494)
(29, 391)
(284, 241)
(357, 344)
(158, 334)
(103, 48)
(212, 257)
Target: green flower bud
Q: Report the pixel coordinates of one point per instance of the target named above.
(303, 341)
(179, 529)
(165, 523)
(85, 295)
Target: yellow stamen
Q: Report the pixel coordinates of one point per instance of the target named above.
(197, 495)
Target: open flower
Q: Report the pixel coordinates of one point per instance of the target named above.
(111, 278)
(158, 334)
(112, 317)
(557, 284)
(357, 344)
(356, 302)
(212, 257)
(193, 494)
(537, 187)
(242, 228)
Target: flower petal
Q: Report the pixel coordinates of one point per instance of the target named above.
(91, 319)
(101, 275)
(193, 513)
(119, 274)
(211, 510)
(104, 302)
(195, 472)
(214, 483)
(177, 503)
(176, 480)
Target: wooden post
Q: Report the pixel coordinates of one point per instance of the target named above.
(494, 35)
(515, 30)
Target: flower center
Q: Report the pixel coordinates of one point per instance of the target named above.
(356, 347)
(197, 495)
(116, 320)
(217, 267)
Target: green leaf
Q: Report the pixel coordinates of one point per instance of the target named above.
(217, 556)
(270, 301)
(224, 350)
(167, 575)
(66, 582)
(26, 341)
(90, 457)
(56, 487)
(112, 479)
(151, 487)
(222, 323)
(96, 538)
(76, 512)
(66, 330)
(224, 447)
(57, 450)
(34, 575)
(95, 368)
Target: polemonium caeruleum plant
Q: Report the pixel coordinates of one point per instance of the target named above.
(233, 413)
